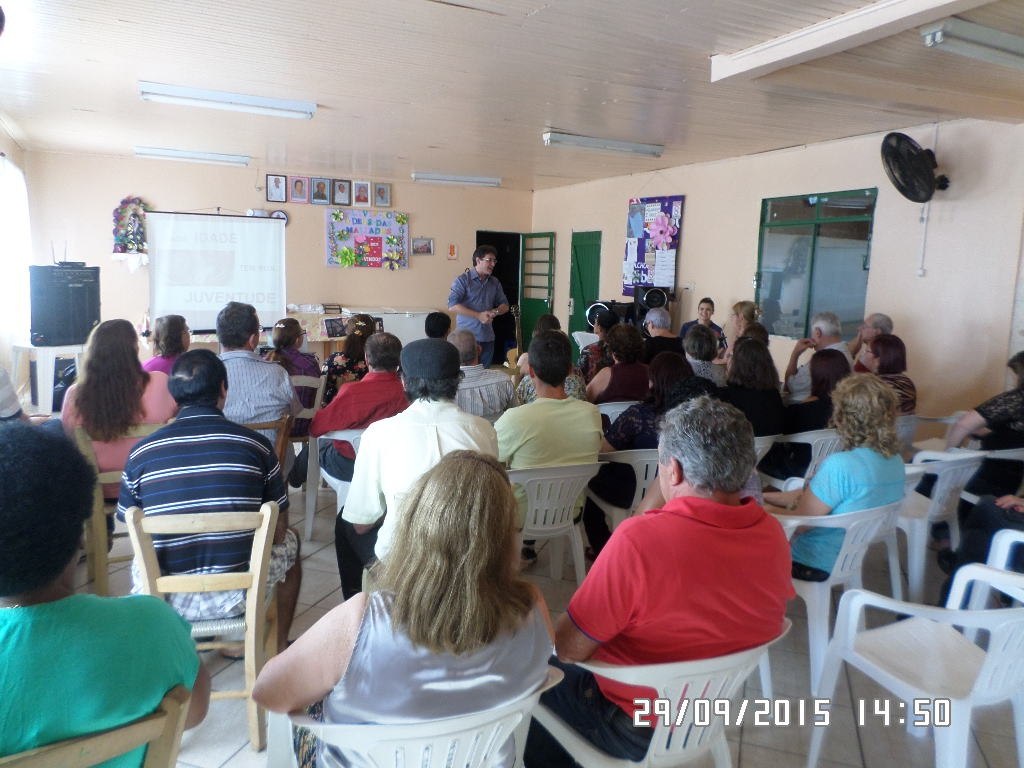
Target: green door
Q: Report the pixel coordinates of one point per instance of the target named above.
(536, 280)
(584, 275)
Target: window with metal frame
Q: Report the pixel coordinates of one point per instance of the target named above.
(814, 256)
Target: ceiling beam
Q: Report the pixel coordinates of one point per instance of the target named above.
(933, 98)
(849, 30)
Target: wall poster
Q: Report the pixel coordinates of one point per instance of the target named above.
(367, 238)
(653, 229)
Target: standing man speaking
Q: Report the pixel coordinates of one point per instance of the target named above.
(477, 298)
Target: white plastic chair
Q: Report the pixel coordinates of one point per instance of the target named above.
(469, 741)
(860, 530)
(762, 445)
(906, 428)
(314, 475)
(934, 443)
(614, 410)
(918, 513)
(584, 338)
(823, 442)
(552, 495)
(645, 467)
(912, 476)
(308, 382)
(717, 678)
(1000, 555)
(925, 657)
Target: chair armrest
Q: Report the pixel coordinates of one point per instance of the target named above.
(1007, 582)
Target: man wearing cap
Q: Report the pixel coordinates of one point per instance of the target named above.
(394, 452)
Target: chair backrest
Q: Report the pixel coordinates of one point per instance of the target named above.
(614, 410)
(282, 428)
(952, 469)
(678, 735)
(584, 338)
(762, 445)
(85, 446)
(552, 493)
(310, 382)
(160, 731)
(906, 428)
(468, 741)
(351, 436)
(143, 527)
(861, 528)
(823, 442)
(644, 462)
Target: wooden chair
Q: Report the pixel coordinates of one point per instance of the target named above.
(97, 554)
(160, 732)
(259, 623)
(282, 428)
(314, 475)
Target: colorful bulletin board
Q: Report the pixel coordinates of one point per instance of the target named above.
(367, 238)
(653, 229)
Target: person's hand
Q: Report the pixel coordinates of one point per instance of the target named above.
(802, 345)
(485, 317)
(1014, 503)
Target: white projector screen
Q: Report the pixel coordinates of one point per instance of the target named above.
(199, 262)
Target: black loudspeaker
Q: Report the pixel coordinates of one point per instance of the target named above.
(623, 309)
(65, 304)
(646, 299)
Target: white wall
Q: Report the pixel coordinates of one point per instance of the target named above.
(956, 320)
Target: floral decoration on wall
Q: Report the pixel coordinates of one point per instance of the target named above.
(130, 226)
(367, 238)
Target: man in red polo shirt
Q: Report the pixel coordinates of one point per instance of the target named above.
(378, 395)
(706, 575)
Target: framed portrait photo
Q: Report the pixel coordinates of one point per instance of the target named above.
(320, 191)
(342, 192)
(277, 188)
(361, 194)
(298, 189)
(423, 246)
(381, 195)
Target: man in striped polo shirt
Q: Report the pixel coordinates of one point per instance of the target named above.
(202, 462)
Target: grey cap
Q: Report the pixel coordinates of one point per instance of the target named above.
(430, 359)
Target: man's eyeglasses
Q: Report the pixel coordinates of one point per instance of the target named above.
(489, 259)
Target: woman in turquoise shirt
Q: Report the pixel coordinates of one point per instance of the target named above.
(867, 473)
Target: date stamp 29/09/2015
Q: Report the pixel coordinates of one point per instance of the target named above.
(785, 712)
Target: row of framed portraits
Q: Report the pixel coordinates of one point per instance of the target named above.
(322, 191)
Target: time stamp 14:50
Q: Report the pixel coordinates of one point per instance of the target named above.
(785, 712)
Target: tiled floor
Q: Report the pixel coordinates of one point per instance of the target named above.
(221, 740)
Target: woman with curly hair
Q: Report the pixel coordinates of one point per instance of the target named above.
(349, 364)
(867, 473)
(452, 627)
(627, 378)
(113, 394)
(171, 338)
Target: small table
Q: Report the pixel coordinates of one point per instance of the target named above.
(46, 358)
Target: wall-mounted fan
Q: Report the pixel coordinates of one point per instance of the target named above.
(911, 168)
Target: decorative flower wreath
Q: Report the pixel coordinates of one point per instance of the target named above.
(130, 226)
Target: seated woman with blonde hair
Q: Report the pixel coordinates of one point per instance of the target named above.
(451, 630)
(867, 473)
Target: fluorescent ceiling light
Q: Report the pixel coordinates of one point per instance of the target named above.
(603, 145)
(235, 102)
(976, 41)
(447, 178)
(188, 156)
